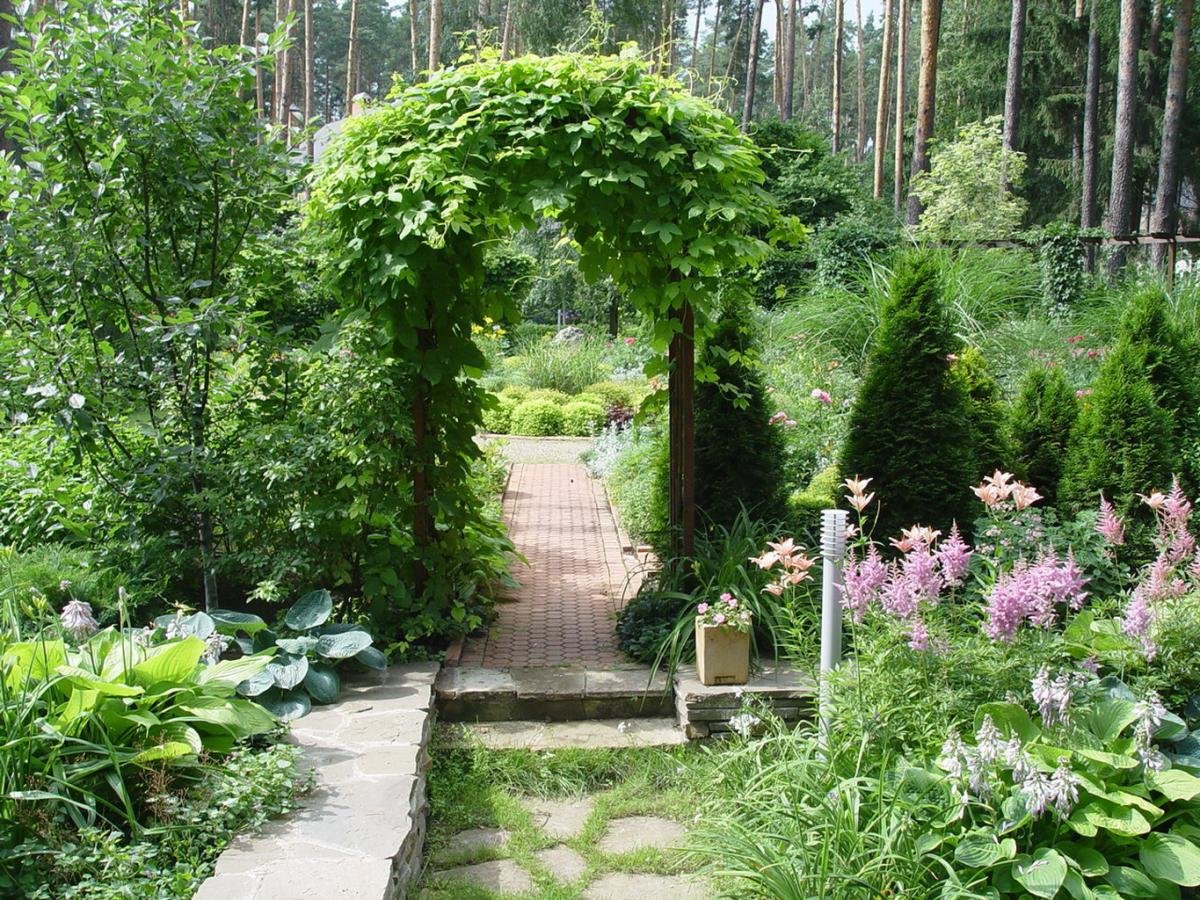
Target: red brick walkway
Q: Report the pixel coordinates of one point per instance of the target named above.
(575, 582)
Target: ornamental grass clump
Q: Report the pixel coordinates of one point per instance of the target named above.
(911, 425)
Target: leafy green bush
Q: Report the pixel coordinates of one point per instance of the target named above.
(59, 574)
(1039, 425)
(1122, 440)
(646, 622)
(910, 429)
(805, 507)
(844, 248)
(537, 418)
(739, 452)
(988, 412)
(583, 419)
(616, 393)
(1060, 255)
(498, 418)
(637, 485)
(548, 394)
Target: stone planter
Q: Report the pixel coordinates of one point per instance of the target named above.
(722, 654)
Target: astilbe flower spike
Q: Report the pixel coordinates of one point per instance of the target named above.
(1109, 524)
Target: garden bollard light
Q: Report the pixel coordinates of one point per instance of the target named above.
(833, 549)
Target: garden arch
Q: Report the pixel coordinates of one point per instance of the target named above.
(660, 190)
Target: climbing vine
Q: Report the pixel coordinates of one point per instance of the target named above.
(659, 189)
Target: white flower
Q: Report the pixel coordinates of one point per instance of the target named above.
(744, 723)
(76, 617)
(1065, 786)
(21, 418)
(75, 401)
(215, 646)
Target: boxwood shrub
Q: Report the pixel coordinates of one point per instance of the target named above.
(537, 418)
(582, 418)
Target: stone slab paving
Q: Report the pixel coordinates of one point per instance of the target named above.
(361, 832)
(561, 819)
(501, 876)
(597, 733)
(566, 865)
(551, 693)
(576, 581)
(636, 832)
(626, 886)
(703, 710)
(471, 841)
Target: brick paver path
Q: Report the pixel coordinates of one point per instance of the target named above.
(575, 582)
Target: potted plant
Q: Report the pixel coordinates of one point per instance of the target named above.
(723, 641)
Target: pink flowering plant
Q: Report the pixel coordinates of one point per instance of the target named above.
(724, 612)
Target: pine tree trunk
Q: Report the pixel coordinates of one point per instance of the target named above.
(931, 24)
(284, 109)
(1120, 197)
(777, 94)
(881, 103)
(260, 101)
(310, 75)
(277, 80)
(1165, 216)
(861, 76)
(693, 59)
(901, 100)
(414, 38)
(752, 66)
(1091, 132)
(352, 59)
(789, 74)
(712, 52)
(1012, 84)
(243, 32)
(836, 99)
(435, 35)
(506, 37)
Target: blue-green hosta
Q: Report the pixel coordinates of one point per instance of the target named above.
(1098, 801)
(305, 650)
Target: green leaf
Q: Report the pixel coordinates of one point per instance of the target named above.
(241, 718)
(257, 683)
(78, 677)
(343, 645)
(1009, 718)
(299, 646)
(1091, 862)
(1077, 887)
(198, 624)
(1172, 858)
(1110, 717)
(1121, 820)
(233, 671)
(372, 658)
(1043, 874)
(322, 683)
(172, 662)
(166, 751)
(1175, 784)
(286, 705)
(310, 611)
(288, 671)
(981, 851)
(230, 622)
(1131, 882)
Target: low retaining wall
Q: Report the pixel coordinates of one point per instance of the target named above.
(361, 832)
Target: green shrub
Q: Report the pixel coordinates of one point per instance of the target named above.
(583, 419)
(910, 428)
(564, 366)
(638, 487)
(739, 453)
(645, 623)
(516, 392)
(547, 394)
(1039, 426)
(538, 418)
(1060, 255)
(1122, 443)
(844, 249)
(987, 419)
(615, 393)
(498, 419)
(60, 574)
(805, 507)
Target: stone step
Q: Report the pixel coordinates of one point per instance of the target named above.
(611, 733)
(552, 694)
(703, 710)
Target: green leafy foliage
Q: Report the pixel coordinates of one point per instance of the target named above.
(987, 409)
(1060, 256)
(1039, 426)
(966, 194)
(538, 417)
(583, 418)
(910, 427)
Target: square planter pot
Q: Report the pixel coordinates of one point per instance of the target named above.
(722, 654)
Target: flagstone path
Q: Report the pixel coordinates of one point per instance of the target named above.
(577, 578)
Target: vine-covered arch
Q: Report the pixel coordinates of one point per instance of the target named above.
(660, 190)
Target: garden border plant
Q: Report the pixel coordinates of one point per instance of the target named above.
(410, 194)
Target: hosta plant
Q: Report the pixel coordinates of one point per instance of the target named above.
(1095, 799)
(306, 650)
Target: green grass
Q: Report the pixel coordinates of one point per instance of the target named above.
(472, 787)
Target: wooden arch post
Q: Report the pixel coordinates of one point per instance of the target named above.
(681, 395)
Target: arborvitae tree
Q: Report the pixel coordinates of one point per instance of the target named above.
(1122, 443)
(1170, 357)
(910, 429)
(739, 454)
(987, 418)
(1039, 427)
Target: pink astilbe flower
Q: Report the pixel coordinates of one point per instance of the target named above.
(821, 396)
(898, 598)
(1137, 621)
(863, 581)
(954, 558)
(1109, 524)
(918, 636)
(1033, 594)
(920, 569)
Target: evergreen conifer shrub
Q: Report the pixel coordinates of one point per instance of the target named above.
(739, 453)
(987, 418)
(1039, 426)
(1122, 443)
(911, 425)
